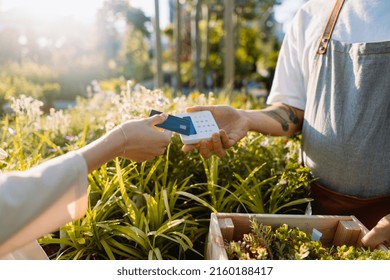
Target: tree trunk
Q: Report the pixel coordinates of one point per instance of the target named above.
(158, 83)
(205, 78)
(196, 44)
(177, 36)
(229, 46)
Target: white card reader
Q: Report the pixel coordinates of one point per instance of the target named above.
(204, 126)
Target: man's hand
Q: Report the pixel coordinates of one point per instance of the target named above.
(234, 124)
(379, 234)
(233, 127)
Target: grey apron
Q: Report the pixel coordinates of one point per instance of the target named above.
(345, 134)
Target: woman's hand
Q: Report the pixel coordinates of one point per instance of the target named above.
(143, 140)
(137, 140)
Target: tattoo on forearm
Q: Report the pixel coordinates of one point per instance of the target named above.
(284, 115)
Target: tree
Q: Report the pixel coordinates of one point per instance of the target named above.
(196, 43)
(229, 39)
(228, 20)
(158, 56)
(134, 58)
(124, 31)
(177, 35)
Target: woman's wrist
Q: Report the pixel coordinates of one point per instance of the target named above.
(104, 149)
(115, 142)
(124, 139)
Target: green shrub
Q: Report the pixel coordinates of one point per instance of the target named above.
(158, 209)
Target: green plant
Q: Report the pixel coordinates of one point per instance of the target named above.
(123, 222)
(159, 208)
(290, 243)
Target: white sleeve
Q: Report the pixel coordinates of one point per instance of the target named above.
(41, 200)
(288, 83)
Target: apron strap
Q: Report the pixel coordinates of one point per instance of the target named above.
(327, 33)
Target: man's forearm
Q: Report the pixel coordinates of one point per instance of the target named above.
(276, 120)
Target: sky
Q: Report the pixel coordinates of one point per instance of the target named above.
(285, 12)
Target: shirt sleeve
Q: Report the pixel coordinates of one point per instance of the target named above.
(41, 200)
(288, 86)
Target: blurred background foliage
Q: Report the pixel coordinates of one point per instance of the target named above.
(59, 59)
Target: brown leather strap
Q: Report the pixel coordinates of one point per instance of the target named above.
(327, 33)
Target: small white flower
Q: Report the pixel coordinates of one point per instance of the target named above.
(282, 181)
(57, 122)
(11, 131)
(3, 154)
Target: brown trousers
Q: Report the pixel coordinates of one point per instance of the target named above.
(367, 210)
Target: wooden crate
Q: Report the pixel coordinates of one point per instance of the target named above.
(336, 230)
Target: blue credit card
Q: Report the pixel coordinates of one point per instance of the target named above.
(176, 124)
(192, 127)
